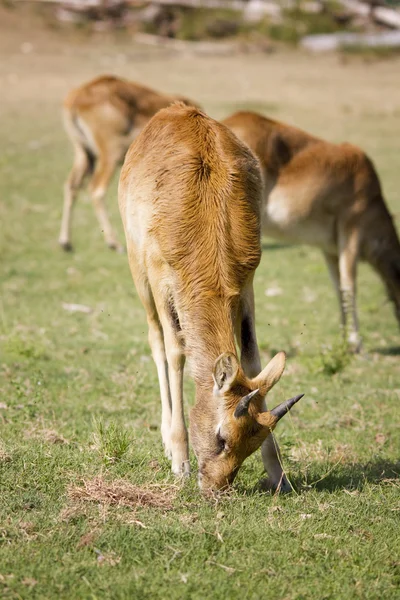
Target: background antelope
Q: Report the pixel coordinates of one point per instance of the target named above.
(101, 118)
(192, 227)
(327, 195)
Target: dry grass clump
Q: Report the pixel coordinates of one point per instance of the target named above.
(124, 493)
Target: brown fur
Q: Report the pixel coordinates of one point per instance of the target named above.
(327, 195)
(101, 118)
(192, 226)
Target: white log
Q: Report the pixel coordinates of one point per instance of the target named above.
(334, 41)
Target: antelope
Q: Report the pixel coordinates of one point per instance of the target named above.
(192, 228)
(325, 195)
(101, 118)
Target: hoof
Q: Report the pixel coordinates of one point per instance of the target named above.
(66, 246)
(283, 487)
(354, 343)
(355, 348)
(182, 469)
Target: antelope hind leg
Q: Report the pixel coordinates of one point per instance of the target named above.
(72, 185)
(348, 246)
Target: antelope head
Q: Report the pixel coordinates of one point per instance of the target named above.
(236, 423)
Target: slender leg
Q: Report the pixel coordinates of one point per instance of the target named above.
(348, 255)
(332, 262)
(272, 462)
(72, 185)
(156, 341)
(170, 360)
(246, 336)
(176, 362)
(250, 360)
(104, 171)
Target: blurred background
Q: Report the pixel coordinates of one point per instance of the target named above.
(321, 25)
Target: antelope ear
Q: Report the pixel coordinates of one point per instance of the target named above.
(225, 371)
(271, 374)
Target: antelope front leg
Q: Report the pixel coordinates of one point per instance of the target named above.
(246, 334)
(178, 435)
(156, 341)
(272, 462)
(250, 360)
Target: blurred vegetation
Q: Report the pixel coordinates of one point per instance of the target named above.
(204, 24)
(369, 53)
(195, 24)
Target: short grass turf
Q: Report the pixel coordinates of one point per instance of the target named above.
(79, 393)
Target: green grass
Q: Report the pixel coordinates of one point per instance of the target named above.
(335, 358)
(369, 53)
(111, 442)
(79, 394)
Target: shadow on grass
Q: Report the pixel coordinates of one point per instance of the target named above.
(392, 351)
(330, 478)
(351, 476)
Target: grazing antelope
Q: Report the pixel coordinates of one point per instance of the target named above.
(192, 227)
(102, 118)
(326, 195)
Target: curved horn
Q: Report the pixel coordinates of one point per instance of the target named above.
(279, 411)
(242, 408)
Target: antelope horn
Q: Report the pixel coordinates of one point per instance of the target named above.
(279, 411)
(242, 408)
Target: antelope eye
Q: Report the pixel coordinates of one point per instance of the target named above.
(221, 443)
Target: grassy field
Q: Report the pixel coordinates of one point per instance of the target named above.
(79, 405)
